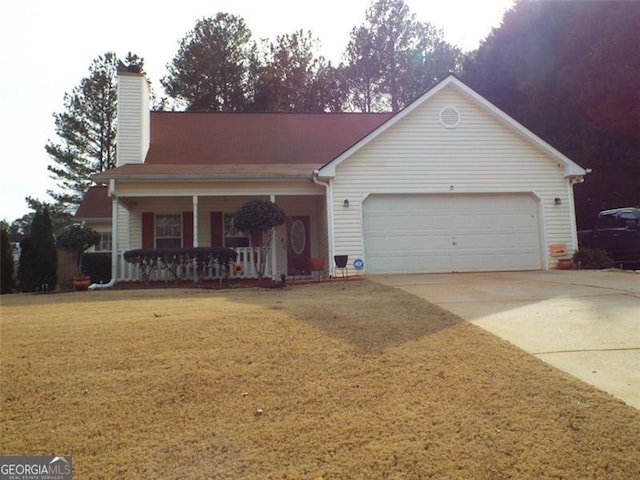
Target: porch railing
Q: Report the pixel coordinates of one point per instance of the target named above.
(246, 266)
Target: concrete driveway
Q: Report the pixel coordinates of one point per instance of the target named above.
(586, 323)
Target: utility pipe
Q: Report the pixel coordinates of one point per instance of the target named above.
(114, 241)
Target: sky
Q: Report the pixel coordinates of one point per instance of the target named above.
(48, 45)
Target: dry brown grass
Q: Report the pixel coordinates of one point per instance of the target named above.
(355, 381)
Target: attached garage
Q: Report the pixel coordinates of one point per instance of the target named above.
(451, 233)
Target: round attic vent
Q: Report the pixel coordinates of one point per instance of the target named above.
(449, 117)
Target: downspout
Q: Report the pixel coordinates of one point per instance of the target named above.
(329, 197)
(114, 240)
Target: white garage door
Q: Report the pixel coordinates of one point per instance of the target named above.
(451, 233)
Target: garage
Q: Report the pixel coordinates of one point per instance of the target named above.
(407, 233)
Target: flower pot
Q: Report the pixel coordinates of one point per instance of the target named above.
(565, 264)
(81, 283)
(316, 264)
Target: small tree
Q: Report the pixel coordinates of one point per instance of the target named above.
(38, 257)
(77, 238)
(260, 217)
(8, 282)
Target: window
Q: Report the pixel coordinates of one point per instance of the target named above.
(168, 231)
(232, 237)
(628, 219)
(104, 245)
(607, 221)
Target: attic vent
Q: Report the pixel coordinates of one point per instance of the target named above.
(449, 117)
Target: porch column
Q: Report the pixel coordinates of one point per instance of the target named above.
(114, 240)
(274, 270)
(195, 221)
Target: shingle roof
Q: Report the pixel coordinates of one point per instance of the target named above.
(95, 204)
(245, 144)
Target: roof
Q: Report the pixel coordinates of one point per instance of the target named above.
(95, 205)
(571, 168)
(231, 145)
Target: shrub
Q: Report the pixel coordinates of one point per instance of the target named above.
(592, 259)
(77, 238)
(176, 260)
(7, 283)
(97, 266)
(260, 217)
(38, 257)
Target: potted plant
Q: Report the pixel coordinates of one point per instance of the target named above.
(77, 238)
(565, 263)
(260, 218)
(316, 264)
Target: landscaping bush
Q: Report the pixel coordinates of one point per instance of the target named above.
(76, 238)
(176, 260)
(260, 217)
(38, 257)
(592, 259)
(97, 266)
(7, 283)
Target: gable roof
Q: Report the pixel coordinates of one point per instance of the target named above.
(186, 145)
(95, 205)
(571, 168)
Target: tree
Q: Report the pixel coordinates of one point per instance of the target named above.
(569, 71)
(362, 72)
(291, 78)
(77, 238)
(393, 58)
(260, 217)
(86, 130)
(211, 71)
(38, 257)
(60, 217)
(7, 282)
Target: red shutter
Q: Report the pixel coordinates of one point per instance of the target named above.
(216, 229)
(187, 229)
(147, 230)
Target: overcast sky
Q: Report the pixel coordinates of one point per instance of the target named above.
(47, 46)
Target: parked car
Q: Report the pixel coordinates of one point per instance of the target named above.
(616, 231)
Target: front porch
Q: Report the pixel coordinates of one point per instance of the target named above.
(201, 221)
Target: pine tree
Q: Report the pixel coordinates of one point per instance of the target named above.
(393, 58)
(86, 130)
(38, 257)
(211, 71)
(7, 283)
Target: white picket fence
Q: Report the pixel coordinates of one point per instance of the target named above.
(244, 267)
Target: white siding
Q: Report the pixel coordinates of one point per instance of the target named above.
(133, 119)
(419, 155)
(124, 228)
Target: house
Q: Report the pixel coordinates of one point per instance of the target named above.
(450, 183)
(95, 211)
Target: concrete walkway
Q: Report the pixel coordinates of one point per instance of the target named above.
(586, 323)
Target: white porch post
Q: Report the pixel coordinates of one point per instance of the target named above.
(274, 257)
(114, 232)
(195, 221)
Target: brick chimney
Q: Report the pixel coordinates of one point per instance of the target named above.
(133, 118)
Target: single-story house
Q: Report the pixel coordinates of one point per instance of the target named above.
(449, 184)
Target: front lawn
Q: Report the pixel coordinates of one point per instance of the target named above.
(342, 380)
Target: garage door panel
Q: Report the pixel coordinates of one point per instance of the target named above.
(440, 233)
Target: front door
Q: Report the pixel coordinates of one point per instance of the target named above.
(298, 245)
